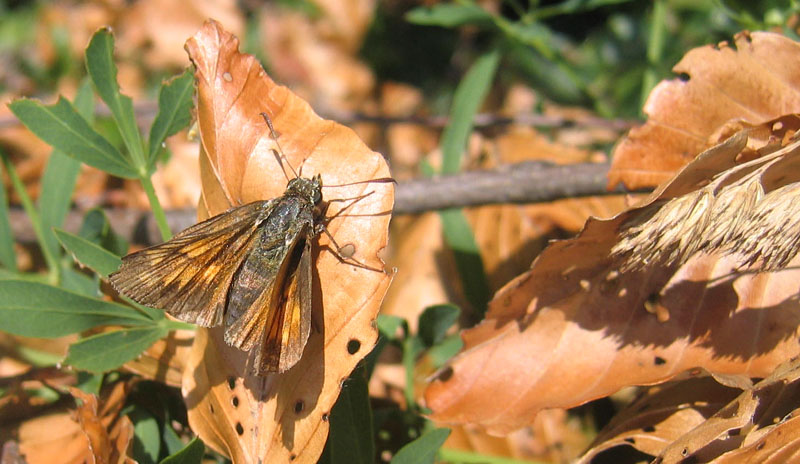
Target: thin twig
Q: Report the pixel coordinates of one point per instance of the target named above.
(146, 111)
(528, 182)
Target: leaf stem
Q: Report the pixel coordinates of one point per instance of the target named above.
(155, 205)
(27, 204)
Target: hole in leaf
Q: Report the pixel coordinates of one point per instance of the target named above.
(298, 406)
(684, 77)
(231, 382)
(760, 446)
(630, 440)
(659, 361)
(235, 401)
(239, 428)
(353, 346)
(325, 417)
(292, 457)
(445, 374)
(649, 429)
(211, 408)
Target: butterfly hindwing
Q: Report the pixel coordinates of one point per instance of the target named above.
(269, 303)
(189, 275)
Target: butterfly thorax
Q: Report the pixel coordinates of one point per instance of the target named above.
(310, 189)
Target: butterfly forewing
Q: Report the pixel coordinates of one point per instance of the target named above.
(269, 303)
(189, 275)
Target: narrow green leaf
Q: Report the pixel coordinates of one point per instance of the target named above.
(191, 454)
(36, 310)
(89, 254)
(7, 256)
(467, 100)
(80, 283)
(84, 100)
(351, 439)
(449, 15)
(174, 112)
(109, 350)
(58, 182)
(434, 322)
(62, 127)
(459, 237)
(33, 216)
(103, 71)
(422, 450)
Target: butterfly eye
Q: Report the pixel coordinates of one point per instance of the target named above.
(317, 196)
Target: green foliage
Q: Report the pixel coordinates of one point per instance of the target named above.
(422, 450)
(88, 253)
(351, 434)
(38, 310)
(191, 454)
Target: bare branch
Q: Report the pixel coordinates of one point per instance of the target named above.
(528, 182)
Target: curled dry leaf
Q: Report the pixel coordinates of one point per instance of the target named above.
(576, 327)
(756, 78)
(283, 417)
(661, 415)
(760, 425)
(94, 432)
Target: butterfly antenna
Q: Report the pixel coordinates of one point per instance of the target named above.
(383, 180)
(280, 156)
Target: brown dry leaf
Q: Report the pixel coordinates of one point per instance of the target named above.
(95, 432)
(110, 436)
(553, 437)
(755, 79)
(760, 425)
(662, 415)
(165, 360)
(283, 417)
(576, 328)
(318, 56)
(155, 29)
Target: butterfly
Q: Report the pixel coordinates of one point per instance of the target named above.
(249, 269)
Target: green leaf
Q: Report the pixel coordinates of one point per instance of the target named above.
(62, 127)
(449, 15)
(459, 237)
(84, 100)
(96, 228)
(442, 352)
(191, 454)
(58, 182)
(351, 439)
(422, 450)
(103, 71)
(109, 350)
(174, 112)
(36, 310)
(89, 254)
(434, 322)
(467, 100)
(90, 383)
(80, 283)
(146, 436)
(388, 325)
(7, 256)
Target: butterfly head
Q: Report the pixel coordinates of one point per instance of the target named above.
(306, 188)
